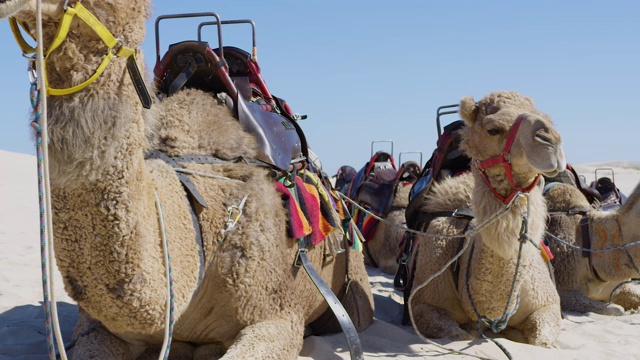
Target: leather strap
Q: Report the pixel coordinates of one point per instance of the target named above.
(586, 238)
(184, 179)
(192, 209)
(138, 82)
(350, 332)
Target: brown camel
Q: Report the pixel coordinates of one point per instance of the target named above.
(382, 249)
(252, 302)
(586, 280)
(483, 281)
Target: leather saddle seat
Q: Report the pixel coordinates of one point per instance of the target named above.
(193, 64)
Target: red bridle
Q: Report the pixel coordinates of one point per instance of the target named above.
(504, 159)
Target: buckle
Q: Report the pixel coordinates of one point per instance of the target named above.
(297, 262)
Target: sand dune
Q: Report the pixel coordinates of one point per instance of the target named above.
(584, 336)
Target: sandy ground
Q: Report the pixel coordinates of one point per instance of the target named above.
(583, 336)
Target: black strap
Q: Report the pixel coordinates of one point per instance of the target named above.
(191, 192)
(586, 238)
(184, 179)
(184, 76)
(353, 339)
(138, 82)
(327, 322)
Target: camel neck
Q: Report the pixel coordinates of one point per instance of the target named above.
(98, 130)
(502, 235)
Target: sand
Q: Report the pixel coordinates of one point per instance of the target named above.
(583, 336)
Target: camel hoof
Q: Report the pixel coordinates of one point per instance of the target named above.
(613, 310)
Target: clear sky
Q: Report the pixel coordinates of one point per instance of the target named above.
(377, 70)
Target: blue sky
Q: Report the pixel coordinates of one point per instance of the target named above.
(377, 70)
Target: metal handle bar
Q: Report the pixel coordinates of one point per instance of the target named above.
(186, 15)
(382, 141)
(409, 152)
(254, 53)
(440, 113)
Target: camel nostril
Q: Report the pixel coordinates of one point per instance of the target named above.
(543, 139)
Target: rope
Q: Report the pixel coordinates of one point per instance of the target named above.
(617, 247)
(46, 289)
(344, 197)
(39, 123)
(215, 176)
(170, 306)
(467, 239)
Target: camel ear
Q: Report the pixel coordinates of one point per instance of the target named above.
(468, 110)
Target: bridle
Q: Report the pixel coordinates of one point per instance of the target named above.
(504, 159)
(115, 48)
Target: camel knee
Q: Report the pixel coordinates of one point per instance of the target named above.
(271, 339)
(542, 327)
(628, 297)
(437, 323)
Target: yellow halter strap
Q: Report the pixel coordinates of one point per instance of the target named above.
(114, 45)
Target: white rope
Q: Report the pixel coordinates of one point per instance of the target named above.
(50, 260)
(215, 176)
(168, 321)
(467, 235)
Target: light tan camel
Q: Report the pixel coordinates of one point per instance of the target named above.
(585, 281)
(252, 302)
(486, 270)
(383, 247)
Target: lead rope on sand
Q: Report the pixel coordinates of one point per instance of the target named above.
(170, 306)
(467, 236)
(39, 123)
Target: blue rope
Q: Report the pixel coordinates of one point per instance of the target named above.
(499, 324)
(617, 247)
(35, 123)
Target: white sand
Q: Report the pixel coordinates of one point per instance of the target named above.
(22, 330)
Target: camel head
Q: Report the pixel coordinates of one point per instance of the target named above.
(124, 18)
(536, 146)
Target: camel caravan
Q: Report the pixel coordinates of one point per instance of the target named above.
(377, 197)
(192, 221)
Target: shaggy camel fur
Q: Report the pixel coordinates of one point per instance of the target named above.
(585, 283)
(489, 262)
(383, 246)
(252, 303)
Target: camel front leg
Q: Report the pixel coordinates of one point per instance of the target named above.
(628, 296)
(572, 300)
(434, 322)
(94, 341)
(542, 327)
(272, 339)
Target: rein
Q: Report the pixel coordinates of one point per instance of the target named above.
(504, 159)
(115, 48)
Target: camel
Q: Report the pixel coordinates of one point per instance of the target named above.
(382, 249)
(586, 280)
(483, 283)
(251, 302)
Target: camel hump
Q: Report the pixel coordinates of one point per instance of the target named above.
(447, 160)
(236, 80)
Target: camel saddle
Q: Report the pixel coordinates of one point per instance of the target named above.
(235, 79)
(373, 185)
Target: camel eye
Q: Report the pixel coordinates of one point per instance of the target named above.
(494, 132)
